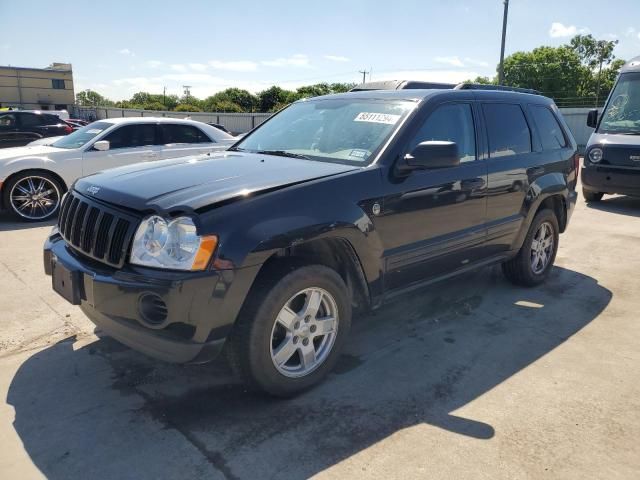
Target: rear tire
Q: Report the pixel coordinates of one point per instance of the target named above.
(535, 259)
(592, 196)
(279, 345)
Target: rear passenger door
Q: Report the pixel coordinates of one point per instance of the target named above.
(514, 160)
(127, 144)
(179, 140)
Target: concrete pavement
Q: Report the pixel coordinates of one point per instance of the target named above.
(472, 378)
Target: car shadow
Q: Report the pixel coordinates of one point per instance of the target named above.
(104, 411)
(619, 204)
(9, 223)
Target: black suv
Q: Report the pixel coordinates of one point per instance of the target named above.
(335, 203)
(17, 128)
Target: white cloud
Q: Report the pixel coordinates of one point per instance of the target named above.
(126, 51)
(559, 30)
(178, 67)
(297, 60)
(475, 63)
(337, 58)
(234, 66)
(154, 63)
(453, 61)
(630, 32)
(198, 67)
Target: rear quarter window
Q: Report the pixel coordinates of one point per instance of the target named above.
(507, 129)
(551, 135)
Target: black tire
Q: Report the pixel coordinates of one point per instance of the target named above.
(37, 214)
(519, 269)
(592, 196)
(249, 349)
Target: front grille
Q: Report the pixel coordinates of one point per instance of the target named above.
(96, 230)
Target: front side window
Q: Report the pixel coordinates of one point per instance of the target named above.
(172, 134)
(82, 136)
(131, 136)
(622, 113)
(549, 129)
(507, 128)
(453, 123)
(341, 130)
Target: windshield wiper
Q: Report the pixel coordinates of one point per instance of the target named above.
(283, 153)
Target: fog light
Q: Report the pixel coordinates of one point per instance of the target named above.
(152, 309)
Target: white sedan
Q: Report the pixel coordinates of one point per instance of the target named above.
(34, 178)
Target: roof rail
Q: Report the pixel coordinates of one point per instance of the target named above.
(502, 88)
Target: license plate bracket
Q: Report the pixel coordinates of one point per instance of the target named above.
(66, 282)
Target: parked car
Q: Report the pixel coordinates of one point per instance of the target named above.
(34, 178)
(75, 126)
(334, 203)
(79, 121)
(220, 127)
(19, 127)
(612, 155)
(44, 141)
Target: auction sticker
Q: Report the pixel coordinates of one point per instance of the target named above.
(387, 118)
(94, 131)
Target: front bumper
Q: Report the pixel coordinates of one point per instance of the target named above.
(608, 179)
(200, 306)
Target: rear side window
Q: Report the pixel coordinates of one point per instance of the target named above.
(182, 134)
(453, 123)
(30, 120)
(130, 136)
(8, 120)
(507, 128)
(51, 120)
(549, 129)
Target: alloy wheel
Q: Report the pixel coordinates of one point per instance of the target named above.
(542, 248)
(304, 332)
(35, 198)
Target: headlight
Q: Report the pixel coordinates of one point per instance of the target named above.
(172, 244)
(595, 155)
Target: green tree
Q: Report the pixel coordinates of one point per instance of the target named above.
(154, 105)
(273, 97)
(187, 107)
(92, 98)
(554, 71)
(594, 55)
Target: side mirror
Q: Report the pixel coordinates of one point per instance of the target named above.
(101, 145)
(432, 154)
(592, 118)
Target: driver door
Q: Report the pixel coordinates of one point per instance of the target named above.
(127, 144)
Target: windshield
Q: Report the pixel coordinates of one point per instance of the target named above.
(343, 130)
(82, 135)
(622, 113)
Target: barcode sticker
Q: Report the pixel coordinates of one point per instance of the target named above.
(387, 118)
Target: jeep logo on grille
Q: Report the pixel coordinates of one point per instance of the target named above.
(93, 189)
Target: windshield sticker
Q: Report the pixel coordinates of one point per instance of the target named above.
(94, 131)
(358, 153)
(387, 118)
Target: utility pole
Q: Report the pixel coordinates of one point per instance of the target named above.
(504, 37)
(187, 92)
(164, 96)
(364, 75)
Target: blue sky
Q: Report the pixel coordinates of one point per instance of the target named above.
(121, 47)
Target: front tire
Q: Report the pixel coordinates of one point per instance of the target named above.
(535, 259)
(592, 196)
(33, 196)
(290, 336)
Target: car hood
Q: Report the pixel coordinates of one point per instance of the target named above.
(190, 183)
(28, 151)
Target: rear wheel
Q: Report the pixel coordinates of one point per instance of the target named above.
(592, 196)
(33, 196)
(291, 336)
(535, 259)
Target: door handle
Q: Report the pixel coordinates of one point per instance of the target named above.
(536, 171)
